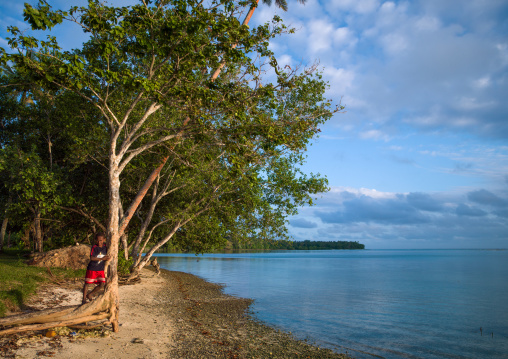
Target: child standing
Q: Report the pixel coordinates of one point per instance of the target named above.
(95, 270)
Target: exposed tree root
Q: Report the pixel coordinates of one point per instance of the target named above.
(101, 308)
(64, 323)
(42, 316)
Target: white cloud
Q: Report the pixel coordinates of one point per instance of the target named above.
(427, 23)
(472, 103)
(362, 192)
(374, 135)
(394, 43)
(408, 220)
(341, 80)
(344, 37)
(482, 82)
(285, 60)
(358, 6)
(320, 36)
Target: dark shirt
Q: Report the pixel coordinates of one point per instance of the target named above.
(96, 252)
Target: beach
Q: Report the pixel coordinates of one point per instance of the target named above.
(171, 315)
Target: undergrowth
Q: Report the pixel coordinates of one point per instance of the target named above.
(18, 281)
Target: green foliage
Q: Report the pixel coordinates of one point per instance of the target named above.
(123, 264)
(141, 90)
(273, 244)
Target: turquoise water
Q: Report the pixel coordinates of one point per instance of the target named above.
(373, 303)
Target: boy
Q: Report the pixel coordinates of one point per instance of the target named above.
(95, 270)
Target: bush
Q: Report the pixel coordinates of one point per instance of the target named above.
(123, 264)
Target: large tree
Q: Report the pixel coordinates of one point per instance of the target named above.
(220, 142)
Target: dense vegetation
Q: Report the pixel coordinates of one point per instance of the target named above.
(173, 124)
(274, 244)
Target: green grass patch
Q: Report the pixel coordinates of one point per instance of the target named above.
(19, 281)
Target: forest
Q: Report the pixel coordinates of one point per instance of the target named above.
(272, 244)
(173, 123)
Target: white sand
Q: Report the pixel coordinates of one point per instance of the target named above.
(145, 328)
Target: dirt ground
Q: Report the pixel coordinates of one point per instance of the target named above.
(172, 315)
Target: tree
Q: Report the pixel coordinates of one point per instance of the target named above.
(145, 69)
(41, 125)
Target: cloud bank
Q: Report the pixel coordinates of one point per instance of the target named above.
(474, 219)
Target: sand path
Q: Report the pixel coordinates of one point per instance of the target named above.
(145, 328)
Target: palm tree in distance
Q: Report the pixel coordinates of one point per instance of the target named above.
(279, 3)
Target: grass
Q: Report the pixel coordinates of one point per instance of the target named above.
(19, 281)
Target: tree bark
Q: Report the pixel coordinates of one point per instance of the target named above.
(2, 232)
(38, 232)
(113, 241)
(4, 226)
(62, 323)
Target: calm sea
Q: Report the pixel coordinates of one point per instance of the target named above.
(373, 303)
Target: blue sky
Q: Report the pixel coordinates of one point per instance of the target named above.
(420, 157)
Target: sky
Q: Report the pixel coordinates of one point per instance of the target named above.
(419, 157)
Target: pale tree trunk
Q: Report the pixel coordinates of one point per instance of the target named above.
(125, 246)
(38, 232)
(111, 290)
(135, 254)
(143, 262)
(124, 237)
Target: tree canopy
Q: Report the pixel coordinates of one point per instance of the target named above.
(132, 133)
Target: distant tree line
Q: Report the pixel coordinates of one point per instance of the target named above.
(272, 244)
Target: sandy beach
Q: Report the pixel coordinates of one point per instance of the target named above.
(173, 315)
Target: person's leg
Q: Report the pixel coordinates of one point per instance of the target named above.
(99, 286)
(85, 292)
(92, 293)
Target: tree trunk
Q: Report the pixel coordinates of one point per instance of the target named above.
(2, 232)
(144, 261)
(4, 226)
(111, 289)
(38, 232)
(125, 246)
(124, 237)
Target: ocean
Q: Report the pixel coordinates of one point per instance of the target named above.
(372, 303)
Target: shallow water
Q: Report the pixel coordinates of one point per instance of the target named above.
(373, 303)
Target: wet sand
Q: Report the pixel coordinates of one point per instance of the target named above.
(173, 315)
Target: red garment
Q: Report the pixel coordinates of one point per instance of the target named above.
(95, 277)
